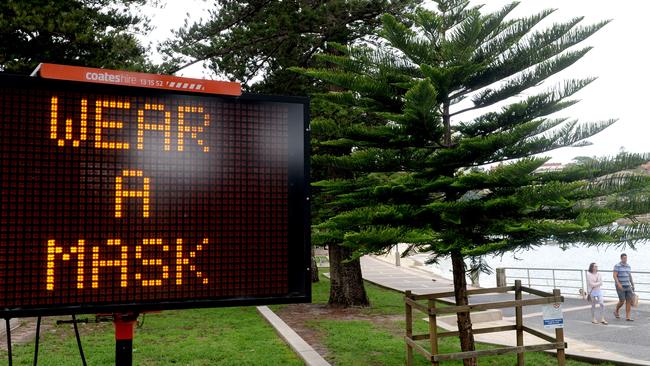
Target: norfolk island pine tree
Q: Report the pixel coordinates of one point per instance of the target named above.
(417, 170)
(98, 33)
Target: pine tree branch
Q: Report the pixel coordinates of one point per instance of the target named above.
(528, 79)
(540, 47)
(213, 29)
(541, 104)
(509, 36)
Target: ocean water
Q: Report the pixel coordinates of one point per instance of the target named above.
(552, 256)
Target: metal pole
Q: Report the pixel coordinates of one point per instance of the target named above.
(528, 274)
(38, 334)
(8, 330)
(124, 338)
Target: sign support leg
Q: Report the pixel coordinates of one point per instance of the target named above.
(124, 338)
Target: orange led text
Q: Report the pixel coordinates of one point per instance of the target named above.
(150, 118)
(171, 270)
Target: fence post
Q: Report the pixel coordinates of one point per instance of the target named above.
(528, 274)
(519, 322)
(501, 277)
(397, 258)
(409, 328)
(474, 276)
(559, 337)
(433, 330)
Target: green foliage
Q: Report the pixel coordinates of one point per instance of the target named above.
(412, 169)
(256, 42)
(96, 33)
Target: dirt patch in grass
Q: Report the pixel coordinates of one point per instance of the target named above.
(299, 316)
(23, 332)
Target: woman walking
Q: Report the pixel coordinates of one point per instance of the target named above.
(594, 284)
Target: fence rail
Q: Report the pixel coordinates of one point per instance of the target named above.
(571, 281)
(431, 351)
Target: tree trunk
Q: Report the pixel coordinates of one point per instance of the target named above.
(314, 267)
(446, 122)
(464, 322)
(346, 286)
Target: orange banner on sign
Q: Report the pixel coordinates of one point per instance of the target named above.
(140, 79)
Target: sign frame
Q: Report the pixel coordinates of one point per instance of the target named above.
(299, 224)
(136, 79)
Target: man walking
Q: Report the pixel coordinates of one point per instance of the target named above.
(624, 287)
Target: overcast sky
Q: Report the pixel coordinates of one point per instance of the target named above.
(619, 60)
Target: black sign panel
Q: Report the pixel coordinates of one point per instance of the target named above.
(127, 199)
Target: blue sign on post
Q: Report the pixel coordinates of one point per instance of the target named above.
(552, 316)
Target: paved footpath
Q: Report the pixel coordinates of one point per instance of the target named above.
(621, 342)
(13, 323)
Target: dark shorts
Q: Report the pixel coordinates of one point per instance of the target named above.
(625, 294)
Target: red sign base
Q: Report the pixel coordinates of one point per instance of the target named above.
(124, 338)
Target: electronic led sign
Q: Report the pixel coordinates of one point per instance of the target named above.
(126, 199)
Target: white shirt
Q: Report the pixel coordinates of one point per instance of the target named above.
(594, 281)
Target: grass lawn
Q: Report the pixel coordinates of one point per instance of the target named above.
(221, 336)
(364, 343)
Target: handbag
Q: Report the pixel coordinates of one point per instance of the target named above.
(635, 300)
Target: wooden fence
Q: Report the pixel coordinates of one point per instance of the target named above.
(411, 302)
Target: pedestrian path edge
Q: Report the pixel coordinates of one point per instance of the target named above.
(297, 344)
(13, 324)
